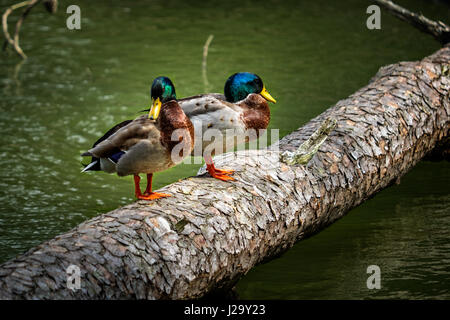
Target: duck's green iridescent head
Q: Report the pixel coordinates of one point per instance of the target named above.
(241, 84)
(161, 92)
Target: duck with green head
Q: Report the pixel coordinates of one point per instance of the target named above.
(145, 145)
(242, 109)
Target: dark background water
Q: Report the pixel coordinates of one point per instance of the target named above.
(76, 84)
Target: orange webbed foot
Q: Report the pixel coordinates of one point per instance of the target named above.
(148, 194)
(225, 172)
(223, 175)
(220, 174)
(152, 196)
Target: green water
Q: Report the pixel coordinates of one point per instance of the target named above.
(77, 84)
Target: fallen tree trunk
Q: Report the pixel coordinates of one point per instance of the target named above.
(210, 233)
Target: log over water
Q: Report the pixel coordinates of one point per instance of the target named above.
(210, 233)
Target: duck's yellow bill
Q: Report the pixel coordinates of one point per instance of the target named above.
(267, 95)
(155, 109)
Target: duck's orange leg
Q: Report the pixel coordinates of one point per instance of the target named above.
(220, 174)
(148, 194)
(148, 189)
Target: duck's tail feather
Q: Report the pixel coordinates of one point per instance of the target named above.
(92, 166)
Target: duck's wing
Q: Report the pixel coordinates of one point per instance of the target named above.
(211, 111)
(216, 122)
(111, 131)
(125, 137)
(94, 165)
(201, 104)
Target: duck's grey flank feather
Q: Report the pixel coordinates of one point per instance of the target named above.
(211, 112)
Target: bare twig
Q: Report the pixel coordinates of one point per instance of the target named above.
(439, 30)
(8, 11)
(19, 25)
(51, 6)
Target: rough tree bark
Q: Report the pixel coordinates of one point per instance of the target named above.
(210, 233)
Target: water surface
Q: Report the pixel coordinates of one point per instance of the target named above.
(77, 84)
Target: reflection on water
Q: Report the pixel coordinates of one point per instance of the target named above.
(77, 84)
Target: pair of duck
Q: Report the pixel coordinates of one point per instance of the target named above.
(172, 128)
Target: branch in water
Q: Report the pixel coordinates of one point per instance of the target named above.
(439, 30)
(51, 6)
(204, 62)
(19, 25)
(8, 11)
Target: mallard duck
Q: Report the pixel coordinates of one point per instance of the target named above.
(150, 143)
(243, 107)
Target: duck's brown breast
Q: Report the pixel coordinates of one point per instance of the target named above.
(256, 112)
(176, 128)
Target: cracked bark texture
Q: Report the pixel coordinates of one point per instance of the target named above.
(210, 232)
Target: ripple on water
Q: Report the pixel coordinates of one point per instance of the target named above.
(76, 85)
